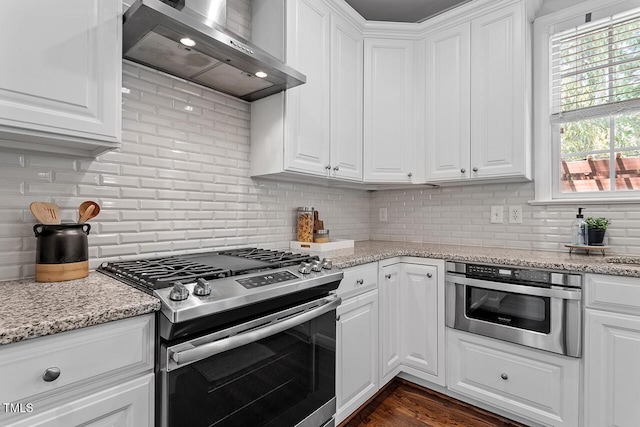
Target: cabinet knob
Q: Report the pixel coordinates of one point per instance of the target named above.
(360, 281)
(504, 376)
(410, 174)
(337, 318)
(336, 169)
(51, 374)
(429, 275)
(463, 170)
(475, 169)
(387, 276)
(327, 167)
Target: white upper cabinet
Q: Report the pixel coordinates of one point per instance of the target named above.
(448, 109)
(478, 124)
(306, 143)
(314, 129)
(389, 108)
(60, 82)
(346, 99)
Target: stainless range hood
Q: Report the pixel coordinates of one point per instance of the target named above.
(152, 34)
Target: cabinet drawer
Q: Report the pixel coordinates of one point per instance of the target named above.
(538, 385)
(82, 355)
(615, 293)
(358, 280)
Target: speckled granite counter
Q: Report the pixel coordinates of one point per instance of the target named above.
(370, 251)
(29, 309)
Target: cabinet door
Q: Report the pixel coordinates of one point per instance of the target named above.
(61, 73)
(125, 405)
(306, 144)
(419, 317)
(448, 104)
(499, 137)
(357, 353)
(346, 100)
(389, 122)
(612, 352)
(390, 311)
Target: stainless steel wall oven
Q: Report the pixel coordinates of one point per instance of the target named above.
(536, 308)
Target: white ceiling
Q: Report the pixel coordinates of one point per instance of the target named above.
(402, 10)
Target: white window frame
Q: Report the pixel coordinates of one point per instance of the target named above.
(546, 147)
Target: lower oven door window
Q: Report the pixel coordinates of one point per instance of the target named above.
(276, 381)
(511, 309)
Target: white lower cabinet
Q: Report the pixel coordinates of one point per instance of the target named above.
(357, 339)
(534, 384)
(125, 405)
(96, 376)
(612, 351)
(412, 319)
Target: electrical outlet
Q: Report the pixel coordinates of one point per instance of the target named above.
(515, 214)
(497, 214)
(382, 214)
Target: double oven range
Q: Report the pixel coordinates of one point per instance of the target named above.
(245, 337)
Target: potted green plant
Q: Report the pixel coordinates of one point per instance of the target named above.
(596, 228)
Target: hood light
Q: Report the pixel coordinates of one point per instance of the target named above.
(261, 74)
(187, 42)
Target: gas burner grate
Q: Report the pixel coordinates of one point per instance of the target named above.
(276, 258)
(162, 272)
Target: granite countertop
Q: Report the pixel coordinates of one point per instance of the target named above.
(370, 251)
(30, 309)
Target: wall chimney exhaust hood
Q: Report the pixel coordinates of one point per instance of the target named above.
(187, 38)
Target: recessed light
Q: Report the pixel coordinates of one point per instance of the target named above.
(261, 74)
(187, 42)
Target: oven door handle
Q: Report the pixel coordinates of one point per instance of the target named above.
(556, 292)
(178, 358)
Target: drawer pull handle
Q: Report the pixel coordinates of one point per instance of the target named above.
(51, 374)
(387, 276)
(429, 275)
(504, 376)
(360, 281)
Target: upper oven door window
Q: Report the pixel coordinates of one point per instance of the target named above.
(506, 308)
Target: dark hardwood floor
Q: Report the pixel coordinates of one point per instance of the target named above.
(402, 403)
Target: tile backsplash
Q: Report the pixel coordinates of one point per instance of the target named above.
(179, 183)
(461, 215)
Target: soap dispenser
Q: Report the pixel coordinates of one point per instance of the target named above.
(579, 234)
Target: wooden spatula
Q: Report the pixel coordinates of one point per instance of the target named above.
(46, 213)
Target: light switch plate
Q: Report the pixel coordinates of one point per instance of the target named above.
(497, 214)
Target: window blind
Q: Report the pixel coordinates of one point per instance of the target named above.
(595, 70)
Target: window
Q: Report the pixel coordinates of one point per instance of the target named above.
(590, 104)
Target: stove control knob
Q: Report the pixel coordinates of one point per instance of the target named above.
(202, 288)
(304, 268)
(326, 264)
(179, 292)
(316, 265)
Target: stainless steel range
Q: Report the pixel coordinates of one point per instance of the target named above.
(245, 336)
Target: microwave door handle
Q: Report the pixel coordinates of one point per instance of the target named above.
(181, 358)
(563, 293)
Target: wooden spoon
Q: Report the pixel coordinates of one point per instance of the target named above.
(46, 213)
(87, 210)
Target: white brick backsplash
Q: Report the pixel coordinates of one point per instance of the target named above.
(461, 215)
(177, 185)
